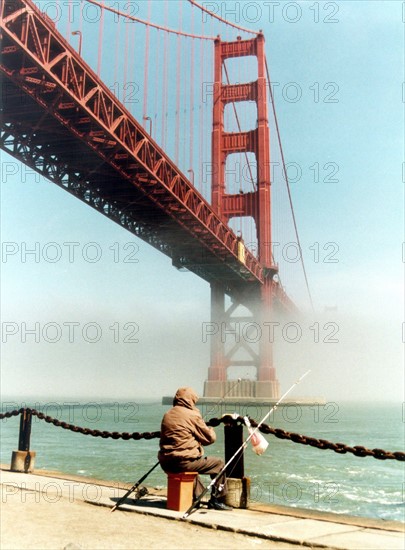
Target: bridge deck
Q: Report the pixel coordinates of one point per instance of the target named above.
(58, 155)
(61, 119)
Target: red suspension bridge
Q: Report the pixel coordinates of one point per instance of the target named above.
(167, 135)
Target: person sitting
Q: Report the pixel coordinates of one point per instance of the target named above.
(182, 437)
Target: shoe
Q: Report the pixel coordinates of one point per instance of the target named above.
(214, 504)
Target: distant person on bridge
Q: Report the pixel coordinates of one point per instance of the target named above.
(182, 436)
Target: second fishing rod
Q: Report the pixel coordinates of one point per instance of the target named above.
(241, 449)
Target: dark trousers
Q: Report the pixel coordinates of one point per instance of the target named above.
(209, 465)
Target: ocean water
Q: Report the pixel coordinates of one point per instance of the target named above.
(288, 473)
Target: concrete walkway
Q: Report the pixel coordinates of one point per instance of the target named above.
(286, 526)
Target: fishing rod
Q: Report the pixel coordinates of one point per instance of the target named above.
(241, 448)
(222, 398)
(137, 483)
(133, 488)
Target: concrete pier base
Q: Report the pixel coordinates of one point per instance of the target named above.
(245, 389)
(268, 388)
(238, 495)
(23, 461)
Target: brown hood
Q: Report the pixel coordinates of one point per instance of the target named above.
(185, 397)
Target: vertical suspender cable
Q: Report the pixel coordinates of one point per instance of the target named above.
(165, 89)
(185, 99)
(201, 99)
(116, 60)
(68, 30)
(100, 41)
(146, 70)
(59, 10)
(81, 20)
(157, 88)
(178, 82)
(132, 91)
(191, 157)
(209, 109)
(124, 84)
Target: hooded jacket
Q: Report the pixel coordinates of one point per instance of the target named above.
(183, 431)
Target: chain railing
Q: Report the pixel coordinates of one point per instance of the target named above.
(323, 444)
(77, 429)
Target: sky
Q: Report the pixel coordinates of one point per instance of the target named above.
(110, 317)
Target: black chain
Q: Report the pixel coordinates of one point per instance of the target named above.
(323, 444)
(84, 431)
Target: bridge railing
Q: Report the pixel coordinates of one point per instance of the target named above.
(51, 68)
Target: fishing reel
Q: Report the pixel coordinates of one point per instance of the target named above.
(139, 493)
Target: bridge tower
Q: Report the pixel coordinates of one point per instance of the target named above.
(226, 335)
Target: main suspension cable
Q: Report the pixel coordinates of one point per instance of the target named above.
(212, 14)
(149, 23)
(288, 187)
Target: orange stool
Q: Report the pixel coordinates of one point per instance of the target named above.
(180, 490)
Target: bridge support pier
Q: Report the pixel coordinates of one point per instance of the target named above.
(240, 341)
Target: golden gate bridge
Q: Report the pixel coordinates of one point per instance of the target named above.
(166, 124)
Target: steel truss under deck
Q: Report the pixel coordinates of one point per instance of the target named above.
(61, 120)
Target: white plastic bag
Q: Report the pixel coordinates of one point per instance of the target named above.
(259, 443)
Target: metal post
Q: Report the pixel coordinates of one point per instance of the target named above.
(233, 442)
(80, 35)
(23, 459)
(150, 124)
(24, 436)
(238, 494)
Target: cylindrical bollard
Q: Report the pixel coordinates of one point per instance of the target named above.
(23, 460)
(238, 485)
(238, 492)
